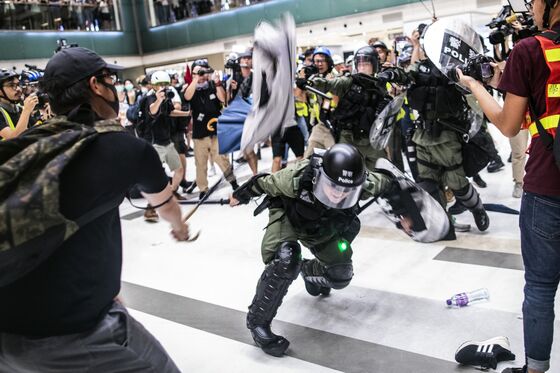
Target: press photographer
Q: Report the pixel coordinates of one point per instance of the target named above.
(14, 118)
(531, 82)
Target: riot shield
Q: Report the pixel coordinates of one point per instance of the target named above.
(450, 43)
(382, 128)
(424, 220)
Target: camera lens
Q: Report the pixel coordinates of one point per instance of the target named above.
(169, 94)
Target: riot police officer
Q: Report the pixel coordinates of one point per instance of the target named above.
(443, 113)
(315, 202)
(361, 99)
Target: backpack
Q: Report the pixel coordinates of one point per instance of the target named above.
(134, 113)
(31, 224)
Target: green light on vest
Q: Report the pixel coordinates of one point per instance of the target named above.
(342, 245)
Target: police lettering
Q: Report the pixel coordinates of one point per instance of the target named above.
(453, 53)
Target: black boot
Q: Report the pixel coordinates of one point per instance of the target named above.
(312, 288)
(495, 165)
(271, 289)
(479, 182)
(468, 196)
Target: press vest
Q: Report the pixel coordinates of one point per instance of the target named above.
(7, 118)
(551, 116)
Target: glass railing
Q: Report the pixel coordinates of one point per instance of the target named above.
(75, 15)
(164, 12)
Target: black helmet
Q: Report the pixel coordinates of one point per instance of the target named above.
(338, 183)
(380, 44)
(202, 62)
(7, 75)
(367, 54)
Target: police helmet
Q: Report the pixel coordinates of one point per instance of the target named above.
(380, 44)
(339, 181)
(160, 77)
(367, 54)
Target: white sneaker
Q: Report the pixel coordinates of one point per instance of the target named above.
(517, 190)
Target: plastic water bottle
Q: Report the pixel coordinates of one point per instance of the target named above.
(464, 299)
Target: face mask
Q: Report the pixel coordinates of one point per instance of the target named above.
(129, 87)
(115, 103)
(202, 85)
(144, 90)
(119, 88)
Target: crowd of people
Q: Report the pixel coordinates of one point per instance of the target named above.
(342, 157)
(86, 15)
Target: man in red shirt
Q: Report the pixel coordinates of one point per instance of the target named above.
(528, 78)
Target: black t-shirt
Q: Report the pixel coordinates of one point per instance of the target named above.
(206, 107)
(161, 123)
(14, 116)
(73, 289)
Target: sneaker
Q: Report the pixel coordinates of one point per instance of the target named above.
(234, 185)
(486, 354)
(515, 370)
(457, 208)
(201, 195)
(517, 190)
(150, 215)
(186, 185)
(191, 187)
(495, 165)
(479, 182)
(241, 160)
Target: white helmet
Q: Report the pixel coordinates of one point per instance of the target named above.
(337, 60)
(159, 77)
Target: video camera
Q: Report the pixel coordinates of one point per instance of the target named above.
(502, 24)
(310, 70)
(204, 71)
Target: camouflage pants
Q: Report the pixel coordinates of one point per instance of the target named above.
(324, 248)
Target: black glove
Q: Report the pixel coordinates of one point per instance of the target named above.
(302, 82)
(250, 189)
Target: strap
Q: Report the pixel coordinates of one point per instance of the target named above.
(434, 166)
(98, 211)
(546, 137)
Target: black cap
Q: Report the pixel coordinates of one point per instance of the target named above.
(71, 65)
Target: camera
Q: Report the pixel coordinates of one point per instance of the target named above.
(310, 70)
(478, 67)
(203, 71)
(169, 94)
(42, 99)
(502, 25)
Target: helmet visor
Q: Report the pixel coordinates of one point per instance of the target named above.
(333, 195)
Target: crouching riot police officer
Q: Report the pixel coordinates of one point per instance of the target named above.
(443, 116)
(314, 202)
(362, 97)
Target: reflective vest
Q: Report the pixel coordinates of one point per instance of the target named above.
(550, 118)
(7, 118)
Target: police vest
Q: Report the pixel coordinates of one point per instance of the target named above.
(434, 96)
(356, 109)
(307, 214)
(551, 52)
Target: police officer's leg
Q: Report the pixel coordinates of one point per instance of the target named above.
(465, 193)
(332, 266)
(282, 256)
(370, 154)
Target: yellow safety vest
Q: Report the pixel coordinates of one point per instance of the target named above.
(7, 118)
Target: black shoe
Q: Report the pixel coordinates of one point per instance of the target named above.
(481, 219)
(185, 184)
(178, 196)
(190, 188)
(495, 165)
(269, 342)
(479, 182)
(486, 354)
(316, 290)
(241, 160)
(234, 185)
(201, 195)
(457, 208)
(515, 370)
(509, 158)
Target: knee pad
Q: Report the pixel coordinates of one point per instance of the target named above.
(339, 275)
(288, 258)
(469, 197)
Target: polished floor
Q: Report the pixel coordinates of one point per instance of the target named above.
(392, 317)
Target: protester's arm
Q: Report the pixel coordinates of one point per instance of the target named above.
(23, 122)
(191, 89)
(156, 105)
(170, 211)
(220, 91)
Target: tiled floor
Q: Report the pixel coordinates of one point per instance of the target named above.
(392, 318)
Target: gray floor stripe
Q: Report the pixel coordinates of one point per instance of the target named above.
(315, 346)
(479, 257)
